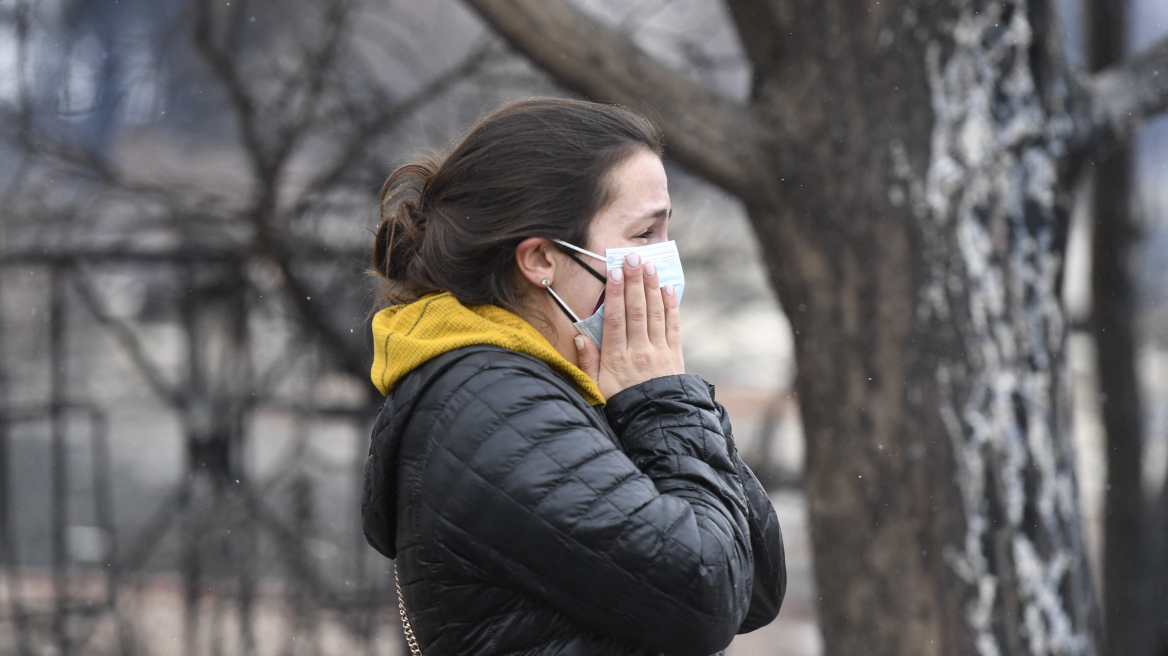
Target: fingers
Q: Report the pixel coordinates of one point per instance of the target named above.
(636, 315)
(614, 313)
(654, 306)
(672, 318)
(642, 330)
(587, 356)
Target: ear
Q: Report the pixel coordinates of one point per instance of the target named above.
(535, 262)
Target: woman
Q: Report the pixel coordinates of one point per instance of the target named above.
(541, 494)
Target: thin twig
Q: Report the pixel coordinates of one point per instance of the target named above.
(126, 336)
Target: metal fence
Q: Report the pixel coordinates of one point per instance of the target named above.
(232, 557)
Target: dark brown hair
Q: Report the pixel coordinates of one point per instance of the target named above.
(532, 168)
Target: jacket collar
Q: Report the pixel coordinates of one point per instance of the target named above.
(409, 335)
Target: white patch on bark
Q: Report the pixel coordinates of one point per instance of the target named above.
(988, 215)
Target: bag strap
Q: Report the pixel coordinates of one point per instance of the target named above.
(401, 608)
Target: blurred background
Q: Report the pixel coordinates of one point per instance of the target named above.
(187, 194)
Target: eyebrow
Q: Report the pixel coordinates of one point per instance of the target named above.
(662, 213)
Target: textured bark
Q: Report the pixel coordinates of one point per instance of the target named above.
(1126, 563)
(932, 377)
(911, 177)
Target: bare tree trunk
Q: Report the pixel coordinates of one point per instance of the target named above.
(1125, 555)
(932, 375)
(1159, 612)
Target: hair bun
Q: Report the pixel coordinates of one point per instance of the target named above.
(403, 222)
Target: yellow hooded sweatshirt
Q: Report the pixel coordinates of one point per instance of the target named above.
(407, 336)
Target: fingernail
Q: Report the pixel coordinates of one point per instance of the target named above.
(633, 259)
(651, 269)
(617, 275)
(669, 290)
(579, 342)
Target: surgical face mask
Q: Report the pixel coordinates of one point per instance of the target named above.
(663, 255)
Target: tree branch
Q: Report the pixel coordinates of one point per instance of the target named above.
(758, 25)
(129, 340)
(309, 83)
(363, 135)
(1130, 92)
(223, 67)
(312, 314)
(704, 132)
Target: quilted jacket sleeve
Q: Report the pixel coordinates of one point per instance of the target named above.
(766, 539)
(649, 544)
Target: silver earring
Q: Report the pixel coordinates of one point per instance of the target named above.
(546, 282)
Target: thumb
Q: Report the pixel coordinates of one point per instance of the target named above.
(588, 356)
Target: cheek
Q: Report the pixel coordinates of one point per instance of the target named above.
(581, 290)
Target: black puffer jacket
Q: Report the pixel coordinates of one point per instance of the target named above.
(525, 521)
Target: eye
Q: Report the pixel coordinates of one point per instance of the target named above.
(645, 235)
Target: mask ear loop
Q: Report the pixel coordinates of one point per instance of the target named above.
(577, 260)
(578, 249)
(559, 301)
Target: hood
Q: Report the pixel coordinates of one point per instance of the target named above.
(409, 335)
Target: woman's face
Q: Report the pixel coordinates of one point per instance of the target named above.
(637, 214)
